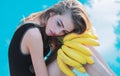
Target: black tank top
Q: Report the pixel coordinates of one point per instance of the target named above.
(20, 64)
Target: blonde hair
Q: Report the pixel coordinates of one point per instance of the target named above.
(78, 14)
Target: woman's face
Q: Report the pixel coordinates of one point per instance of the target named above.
(58, 25)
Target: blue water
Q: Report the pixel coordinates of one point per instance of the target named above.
(104, 15)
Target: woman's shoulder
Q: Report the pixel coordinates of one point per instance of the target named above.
(34, 33)
(33, 38)
(31, 31)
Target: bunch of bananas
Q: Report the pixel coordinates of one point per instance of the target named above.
(75, 53)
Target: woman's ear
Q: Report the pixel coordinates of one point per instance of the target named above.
(52, 14)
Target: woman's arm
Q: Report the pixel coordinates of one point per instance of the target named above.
(35, 46)
(99, 68)
(54, 70)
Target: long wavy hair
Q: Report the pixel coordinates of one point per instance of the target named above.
(78, 15)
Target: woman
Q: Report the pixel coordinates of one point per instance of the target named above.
(35, 43)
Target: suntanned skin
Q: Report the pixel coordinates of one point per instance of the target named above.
(33, 40)
(99, 68)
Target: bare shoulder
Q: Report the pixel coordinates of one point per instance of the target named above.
(33, 39)
(34, 33)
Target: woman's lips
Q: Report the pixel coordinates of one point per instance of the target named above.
(51, 33)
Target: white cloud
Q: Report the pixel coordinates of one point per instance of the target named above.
(103, 15)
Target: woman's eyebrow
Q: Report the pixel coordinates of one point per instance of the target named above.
(62, 25)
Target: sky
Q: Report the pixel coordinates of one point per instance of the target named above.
(104, 16)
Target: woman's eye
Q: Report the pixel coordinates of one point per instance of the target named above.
(65, 32)
(58, 24)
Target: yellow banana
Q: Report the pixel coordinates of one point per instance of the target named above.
(80, 69)
(64, 68)
(86, 41)
(67, 60)
(74, 51)
(79, 47)
(70, 52)
(70, 36)
(89, 34)
(88, 58)
(84, 35)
